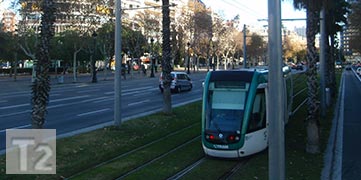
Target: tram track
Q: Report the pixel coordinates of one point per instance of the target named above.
(157, 158)
(186, 170)
(134, 150)
(229, 174)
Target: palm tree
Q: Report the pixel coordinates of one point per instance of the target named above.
(335, 16)
(41, 85)
(166, 58)
(312, 120)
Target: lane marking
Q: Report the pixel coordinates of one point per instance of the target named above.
(140, 102)
(93, 112)
(94, 99)
(143, 93)
(69, 98)
(17, 127)
(105, 99)
(16, 113)
(86, 91)
(15, 106)
(109, 93)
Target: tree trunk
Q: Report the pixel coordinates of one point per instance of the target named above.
(166, 51)
(312, 121)
(41, 84)
(75, 73)
(331, 69)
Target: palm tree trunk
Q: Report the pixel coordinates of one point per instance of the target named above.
(41, 85)
(166, 51)
(312, 121)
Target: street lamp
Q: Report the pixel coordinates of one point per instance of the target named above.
(151, 57)
(94, 73)
(188, 44)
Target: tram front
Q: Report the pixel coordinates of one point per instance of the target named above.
(224, 107)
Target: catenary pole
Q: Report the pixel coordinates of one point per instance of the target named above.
(322, 63)
(276, 149)
(244, 47)
(118, 64)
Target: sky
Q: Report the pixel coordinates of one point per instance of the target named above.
(251, 11)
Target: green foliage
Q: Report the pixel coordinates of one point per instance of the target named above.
(134, 42)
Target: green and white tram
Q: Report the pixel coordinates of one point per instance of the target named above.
(234, 113)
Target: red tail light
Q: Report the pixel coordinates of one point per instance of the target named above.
(211, 137)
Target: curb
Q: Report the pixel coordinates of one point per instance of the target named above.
(333, 155)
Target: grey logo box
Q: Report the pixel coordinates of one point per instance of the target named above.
(31, 151)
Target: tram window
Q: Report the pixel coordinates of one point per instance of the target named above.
(257, 118)
(225, 110)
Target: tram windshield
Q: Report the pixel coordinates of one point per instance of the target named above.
(225, 106)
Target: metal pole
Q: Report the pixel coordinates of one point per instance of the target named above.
(151, 58)
(244, 47)
(118, 64)
(322, 62)
(276, 97)
(94, 71)
(188, 61)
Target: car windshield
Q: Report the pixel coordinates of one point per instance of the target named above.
(225, 107)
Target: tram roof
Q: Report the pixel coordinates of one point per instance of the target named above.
(236, 74)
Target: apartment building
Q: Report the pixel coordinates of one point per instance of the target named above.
(82, 15)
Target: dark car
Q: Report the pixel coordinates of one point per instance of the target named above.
(180, 82)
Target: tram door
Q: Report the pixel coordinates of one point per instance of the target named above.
(257, 119)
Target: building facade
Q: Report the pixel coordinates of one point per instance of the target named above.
(9, 21)
(82, 15)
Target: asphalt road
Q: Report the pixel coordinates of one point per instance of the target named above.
(351, 146)
(75, 106)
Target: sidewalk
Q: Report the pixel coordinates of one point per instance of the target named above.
(333, 153)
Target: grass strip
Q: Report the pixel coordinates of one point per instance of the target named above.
(211, 168)
(125, 164)
(171, 163)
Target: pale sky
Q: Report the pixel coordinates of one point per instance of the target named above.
(252, 10)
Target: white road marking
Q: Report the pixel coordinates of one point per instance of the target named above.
(105, 99)
(109, 93)
(17, 127)
(16, 113)
(69, 98)
(15, 106)
(94, 99)
(143, 93)
(93, 112)
(140, 102)
(86, 91)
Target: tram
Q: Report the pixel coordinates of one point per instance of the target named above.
(234, 112)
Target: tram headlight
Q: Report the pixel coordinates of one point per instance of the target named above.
(210, 137)
(233, 138)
